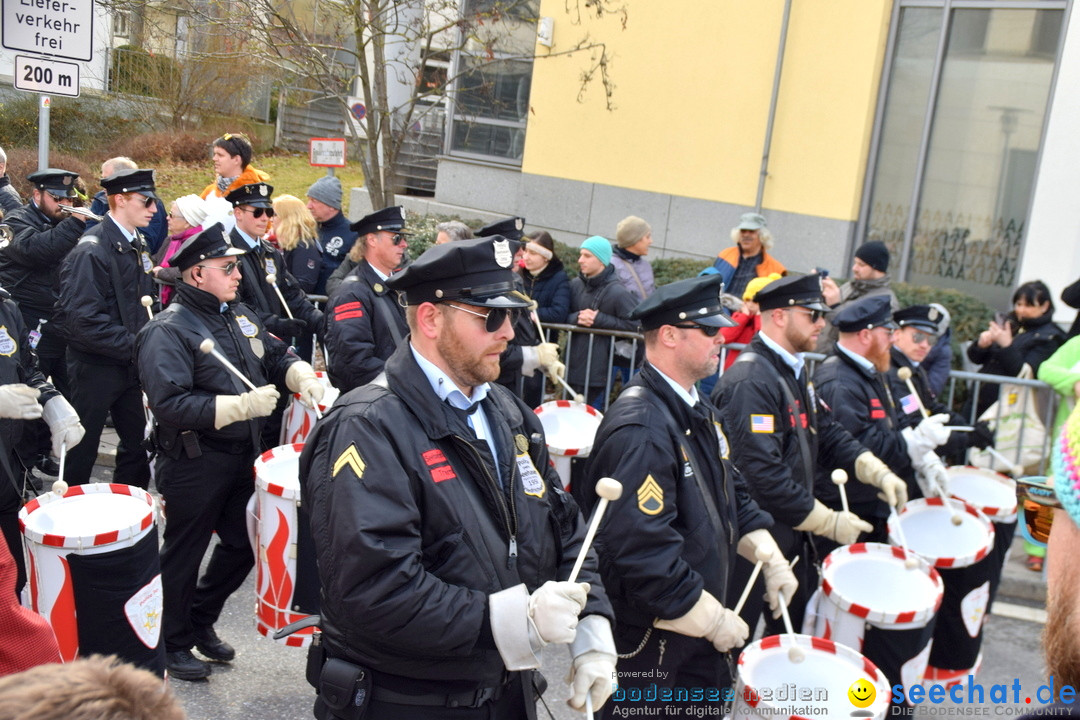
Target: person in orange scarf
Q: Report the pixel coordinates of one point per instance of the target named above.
(232, 166)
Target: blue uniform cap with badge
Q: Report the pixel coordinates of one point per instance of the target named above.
(472, 272)
(693, 301)
(865, 314)
(255, 195)
(511, 228)
(923, 317)
(792, 291)
(130, 181)
(56, 182)
(391, 219)
(210, 243)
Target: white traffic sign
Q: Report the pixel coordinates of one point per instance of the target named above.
(46, 76)
(59, 28)
(326, 152)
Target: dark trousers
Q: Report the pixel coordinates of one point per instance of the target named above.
(97, 390)
(691, 667)
(202, 495)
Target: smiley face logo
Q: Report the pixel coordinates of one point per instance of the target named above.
(861, 693)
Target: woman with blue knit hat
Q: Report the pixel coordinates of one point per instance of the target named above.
(597, 300)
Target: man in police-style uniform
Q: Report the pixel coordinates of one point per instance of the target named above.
(444, 539)
(852, 381)
(207, 434)
(912, 341)
(780, 431)
(102, 282)
(252, 211)
(667, 546)
(30, 265)
(364, 321)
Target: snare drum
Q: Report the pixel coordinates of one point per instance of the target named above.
(285, 571)
(768, 679)
(869, 599)
(959, 553)
(994, 495)
(300, 419)
(93, 571)
(569, 428)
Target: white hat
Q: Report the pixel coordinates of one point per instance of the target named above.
(192, 208)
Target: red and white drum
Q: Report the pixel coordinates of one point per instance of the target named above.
(277, 498)
(299, 418)
(960, 555)
(772, 685)
(870, 600)
(94, 573)
(569, 428)
(994, 495)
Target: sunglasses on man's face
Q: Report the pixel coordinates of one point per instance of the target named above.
(493, 318)
(709, 330)
(1037, 504)
(147, 202)
(227, 269)
(815, 315)
(259, 212)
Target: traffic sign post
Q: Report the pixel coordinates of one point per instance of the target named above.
(36, 74)
(326, 152)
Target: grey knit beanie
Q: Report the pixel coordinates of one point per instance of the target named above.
(327, 190)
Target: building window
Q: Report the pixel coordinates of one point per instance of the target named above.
(121, 24)
(955, 155)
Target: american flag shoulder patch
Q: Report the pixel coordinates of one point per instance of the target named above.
(762, 423)
(909, 404)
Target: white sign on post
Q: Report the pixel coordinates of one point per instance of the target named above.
(60, 28)
(46, 76)
(326, 152)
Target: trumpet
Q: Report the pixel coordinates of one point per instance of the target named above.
(80, 211)
(6, 236)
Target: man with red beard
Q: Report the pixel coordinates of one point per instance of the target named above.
(443, 536)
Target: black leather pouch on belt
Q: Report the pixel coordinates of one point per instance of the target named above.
(345, 688)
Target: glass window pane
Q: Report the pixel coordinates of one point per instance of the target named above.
(497, 90)
(985, 139)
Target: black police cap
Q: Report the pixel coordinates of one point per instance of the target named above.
(865, 314)
(696, 300)
(512, 228)
(923, 317)
(792, 291)
(56, 182)
(391, 219)
(130, 181)
(211, 242)
(255, 195)
(473, 272)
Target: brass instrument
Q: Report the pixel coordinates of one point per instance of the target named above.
(81, 211)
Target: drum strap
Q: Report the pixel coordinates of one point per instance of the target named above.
(753, 358)
(387, 316)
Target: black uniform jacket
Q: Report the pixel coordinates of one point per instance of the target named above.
(413, 532)
(863, 404)
(258, 294)
(659, 544)
(181, 382)
(908, 409)
(358, 336)
(18, 364)
(764, 445)
(30, 266)
(100, 317)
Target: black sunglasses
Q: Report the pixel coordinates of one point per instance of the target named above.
(815, 315)
(709, 330)
(398, 238)
(1037, 502)
(227, 269)
(147, 202)
(258, 212)
(493, 318)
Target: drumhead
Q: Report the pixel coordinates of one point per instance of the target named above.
(89, 515)
(569, 427)
(871, 581)
(277, 471)
(992, 493)
(928, 528)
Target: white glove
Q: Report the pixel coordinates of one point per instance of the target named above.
(553, 611)
(301, 379)
(593, 669)
(252, 404)
(63, 424)
(778, 575)
(19, 402)
(871, 471)
(932, 476)
(710, 620)
(933, 428)
(837, 525)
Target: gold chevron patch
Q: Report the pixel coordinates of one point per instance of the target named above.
(650, 497)
(351, 457)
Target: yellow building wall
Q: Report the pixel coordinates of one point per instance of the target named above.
(691, 101)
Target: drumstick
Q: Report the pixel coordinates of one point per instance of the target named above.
(147, 301)
(960, 428)
(607, 489)
(795, 653)
(578, 397)
(762, 556)
(63, 459)
(207, 346)
(588, 705)
(1015, 470)
(272, 279)
(909, 561)
(954, 517)
(905, 375)
(839, 478)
